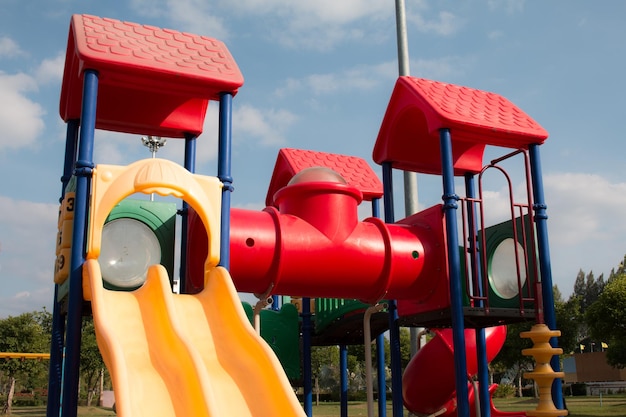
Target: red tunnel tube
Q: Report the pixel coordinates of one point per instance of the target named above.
(428, 383)
(314, 246)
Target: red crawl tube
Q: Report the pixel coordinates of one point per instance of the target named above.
(313, 245)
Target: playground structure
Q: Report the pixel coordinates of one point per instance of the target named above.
(195, 353)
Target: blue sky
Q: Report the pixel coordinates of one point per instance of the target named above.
(318, 75)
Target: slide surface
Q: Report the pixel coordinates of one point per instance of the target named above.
(185, 355)
(428, 383)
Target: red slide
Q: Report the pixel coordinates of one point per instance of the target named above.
(428, 384)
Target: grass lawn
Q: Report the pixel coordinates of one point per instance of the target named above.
(608, 406)
(82, 412)
(612, 406)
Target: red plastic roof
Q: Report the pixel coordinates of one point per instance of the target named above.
(150, 81)
(419, 108)
(356, 171)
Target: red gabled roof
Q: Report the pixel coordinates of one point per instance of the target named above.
(356, 171)
(419, 108)
(151, 81)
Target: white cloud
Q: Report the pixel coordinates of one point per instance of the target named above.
(192, 16)
(583, 209)
(315, 25)
(309, 13)
(445, 24)
(358, 78)
(586, 225)
(368, 77)
(586, 208)
(267, 126)
(9, 48)
(118, 148)
(27, 301)
(509, 6)
(319, 25)
(21, 119)
(195, 17)
(51, 70)
(27, 238)
(440, 68)
(495, 34)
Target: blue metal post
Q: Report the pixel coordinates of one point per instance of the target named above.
(277, 302)
(382, 380)
(481, 342)
(545, 268)
(71, 144)
(380, 347)
(306, 356)
(55, 374)
(394, 327)
(190, 165)
(190, 152)
(450, 207)
(388, 192)
(224, 173)
(83, 171)
(343, 378)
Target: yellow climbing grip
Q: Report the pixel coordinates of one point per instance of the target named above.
(112, 183)
(543, 374)
(64, 238)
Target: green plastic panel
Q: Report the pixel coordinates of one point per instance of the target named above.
(328, 310)
(281, 330)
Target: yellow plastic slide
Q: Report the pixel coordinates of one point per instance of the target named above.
(185, 355)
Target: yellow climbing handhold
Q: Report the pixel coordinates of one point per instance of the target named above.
(543, 374)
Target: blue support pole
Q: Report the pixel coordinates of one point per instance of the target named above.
(224, 173)
(450, 207)
(55, 373)
(388, 192)
(483, 373)
(190, 152)
(83, 171)
(481, 342)
(394, 327)
(277, 302)
(306, 356)
(382, 380)
(380, 347)
(343, 378)
(190, 165)
(71, 144)
(545, 268)
(376, 207)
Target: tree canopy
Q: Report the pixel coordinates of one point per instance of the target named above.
(606, 319)
(26, 333)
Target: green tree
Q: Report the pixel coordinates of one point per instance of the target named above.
(91, 362)
(325, 368)
(587, 289)
(606, 319)
(405, 346)
(510, 362)
(568, 320)
(621, 270)
(22, 334)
